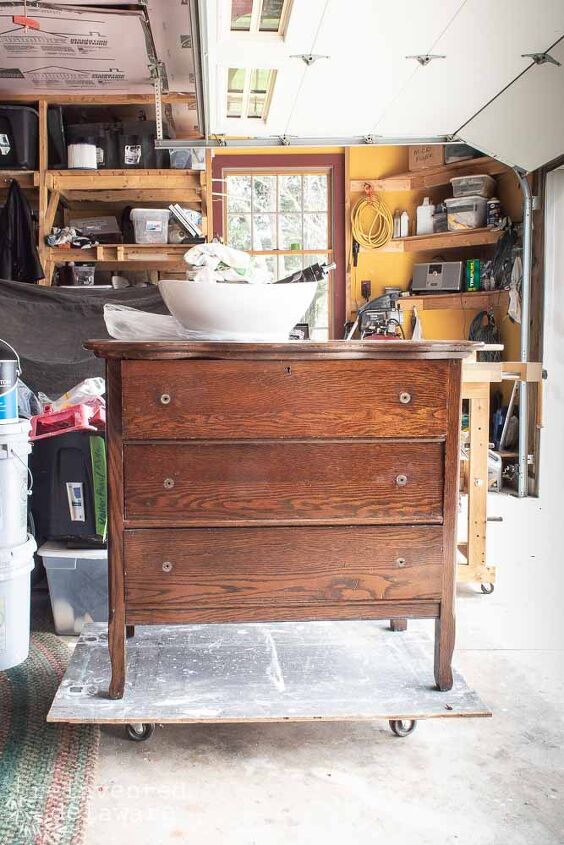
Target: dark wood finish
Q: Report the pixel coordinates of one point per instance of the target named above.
(331, 482)
(445, 624)
(282, 613)
(116, 570)
(174, 570)
(284, 398)
(269, 487)
(129, 632)
(398, 624)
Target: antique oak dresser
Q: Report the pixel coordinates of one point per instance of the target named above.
(272, 482)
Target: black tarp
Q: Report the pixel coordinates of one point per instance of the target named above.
(48, 326)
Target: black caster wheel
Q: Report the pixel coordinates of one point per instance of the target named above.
(487, 589)
(403, 727)
(140, 731)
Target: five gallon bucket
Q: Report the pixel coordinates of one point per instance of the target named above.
(14, 480)
(15, 568)
(9, 372)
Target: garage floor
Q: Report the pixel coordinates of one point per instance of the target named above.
(469, 782)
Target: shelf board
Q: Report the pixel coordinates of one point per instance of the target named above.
(439, 241)
(478, 300)
(142, 256)
(25, 178)
(432, 177)
(128, 185)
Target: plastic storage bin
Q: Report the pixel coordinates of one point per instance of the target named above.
(19, 132)
(150, 225)
(15, 585)
(78, 585)
(480, 185)
(466, 213)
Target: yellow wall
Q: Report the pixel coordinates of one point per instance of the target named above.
(396, 268)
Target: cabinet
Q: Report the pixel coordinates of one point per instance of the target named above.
(296, 481)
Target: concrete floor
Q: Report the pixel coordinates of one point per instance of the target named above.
(470, 782)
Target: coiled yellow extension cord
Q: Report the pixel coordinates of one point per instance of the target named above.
(372, 222)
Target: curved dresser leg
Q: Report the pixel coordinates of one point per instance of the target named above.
(444, 647)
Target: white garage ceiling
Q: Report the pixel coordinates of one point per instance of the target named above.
(366, 85)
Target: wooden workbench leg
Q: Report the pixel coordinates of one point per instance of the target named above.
(398, 624)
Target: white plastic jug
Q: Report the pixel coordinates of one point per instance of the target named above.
(425, 214)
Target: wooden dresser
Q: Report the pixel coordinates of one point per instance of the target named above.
(254, 482)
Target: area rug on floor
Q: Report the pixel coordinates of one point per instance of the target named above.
(46, 771)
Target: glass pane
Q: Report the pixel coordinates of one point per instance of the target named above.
(260, 80)
(264, 264)
(290, 192)
(315, 231)
(290, 231)
(288, 264)
(234, 105)
(238, 193)
(264, 193)
(239, 231)
(241, 11)
(317, 315)
(236, 79)
(270, 15)
(315, 192)
(256, 105)
(264, 231)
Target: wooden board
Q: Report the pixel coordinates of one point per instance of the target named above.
(431, 177)
(440, 241)
(337, 671)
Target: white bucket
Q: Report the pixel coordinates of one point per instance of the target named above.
(14, 475)
(15, 567)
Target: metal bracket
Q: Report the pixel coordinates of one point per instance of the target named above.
(425, 58)
(158, 73)
(541, 58)
(371, 139)
(309, 58)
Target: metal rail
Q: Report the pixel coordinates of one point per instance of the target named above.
(523, 480)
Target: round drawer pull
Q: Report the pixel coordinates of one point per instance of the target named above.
(400, 561)
(165, 399)
(405, 397)
(168, 483)
(167, 566)
(401, 480)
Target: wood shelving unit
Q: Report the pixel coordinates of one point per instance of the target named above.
(432, 177)
(440, 241)
(27, 179)
(135, 256)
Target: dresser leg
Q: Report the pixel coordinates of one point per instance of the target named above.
(116, 645)
(129, 631)
(444, 647)
(398, 624)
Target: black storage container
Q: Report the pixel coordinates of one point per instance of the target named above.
(57, 142)
(69, 487)
(19, 133)
(103, 135)
(136, 142)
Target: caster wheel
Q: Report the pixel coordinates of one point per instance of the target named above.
(403, 727)
(140, 731)
(487, 589)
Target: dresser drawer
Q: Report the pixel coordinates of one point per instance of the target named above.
(229, 567)
(219, 399)
(352, 482)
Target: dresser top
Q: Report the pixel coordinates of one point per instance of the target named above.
(304, 349)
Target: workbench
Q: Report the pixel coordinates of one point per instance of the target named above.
(282, 482)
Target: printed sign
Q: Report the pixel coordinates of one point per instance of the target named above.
(75, 496)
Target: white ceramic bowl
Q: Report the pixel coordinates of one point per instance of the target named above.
(226, 311)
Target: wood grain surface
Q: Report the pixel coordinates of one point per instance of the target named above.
(285, 398)
(217, 567)
(207, 483)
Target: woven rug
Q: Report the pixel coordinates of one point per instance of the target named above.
(46, 771)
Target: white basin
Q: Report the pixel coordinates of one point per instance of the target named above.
(226, 311)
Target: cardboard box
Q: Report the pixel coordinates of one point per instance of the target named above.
(426, 155)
